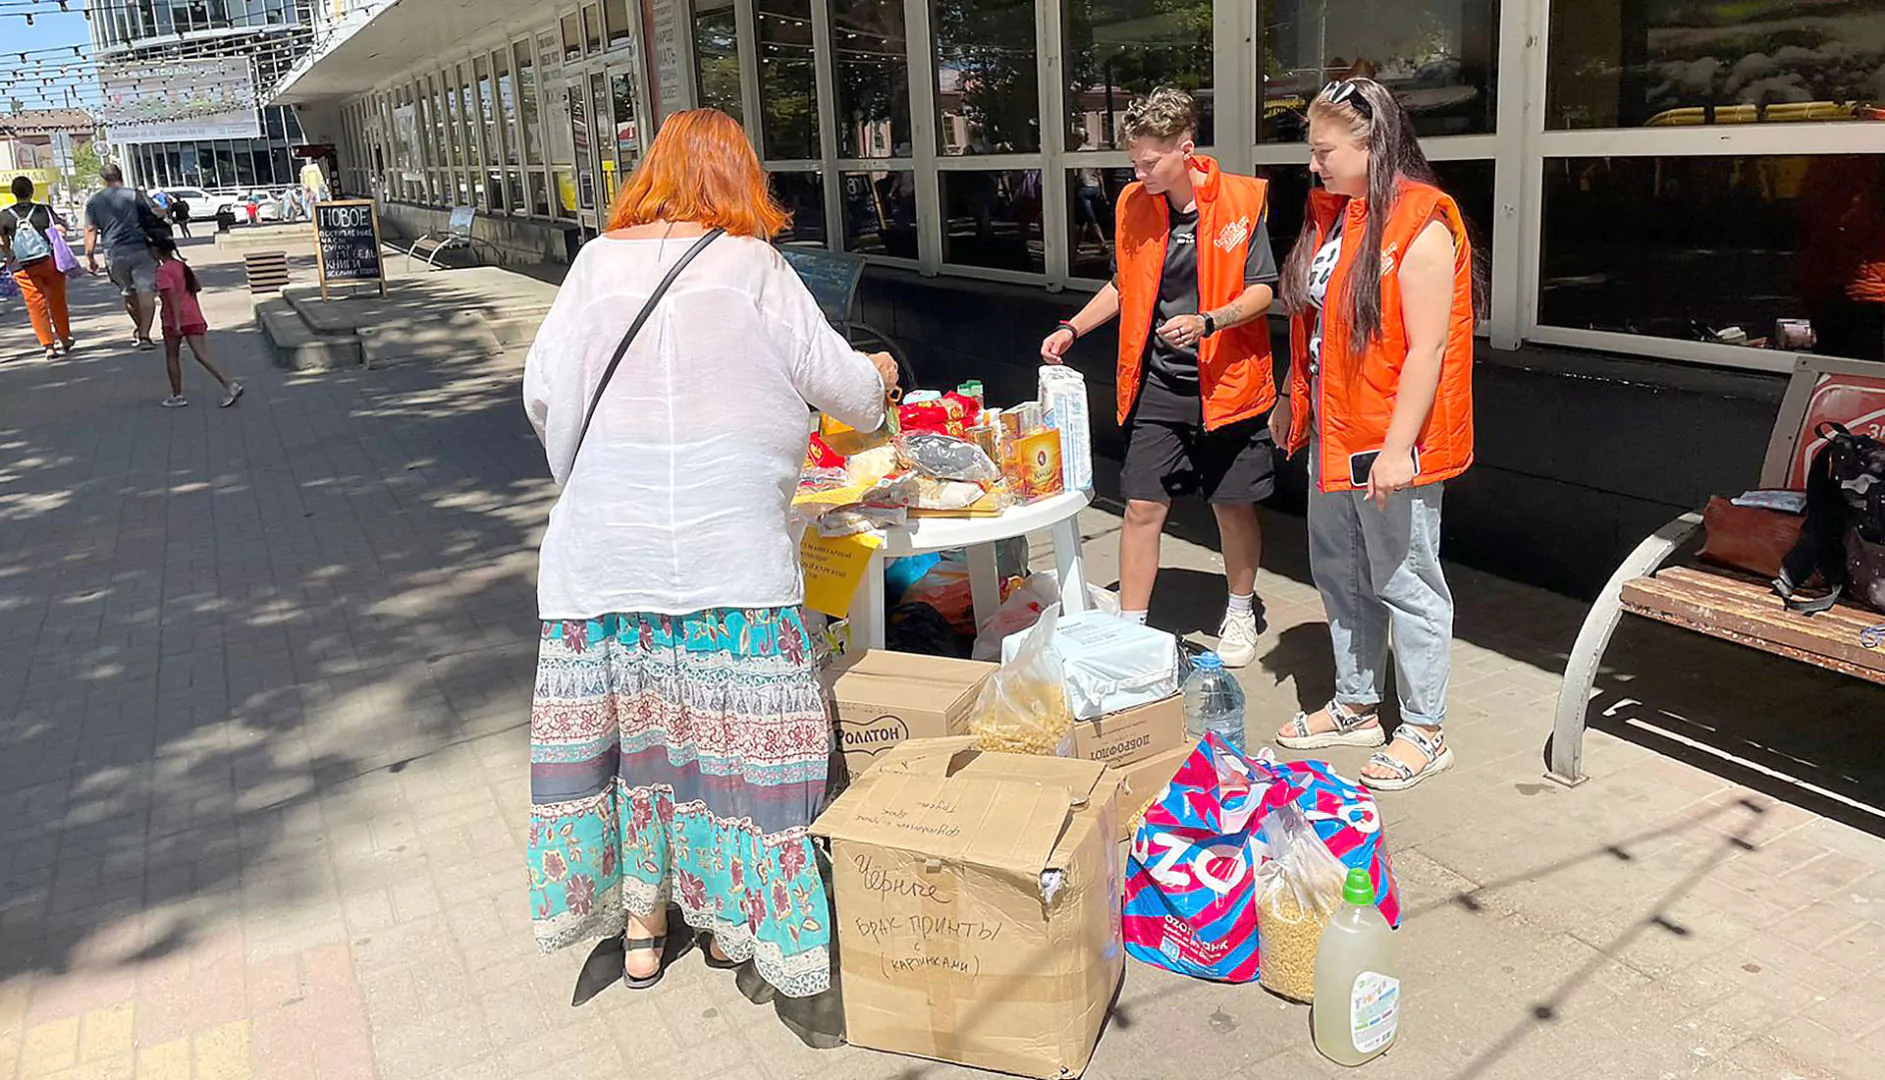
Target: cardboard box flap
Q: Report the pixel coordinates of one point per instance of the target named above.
(904, 680)
(957, 756)
(995, 824)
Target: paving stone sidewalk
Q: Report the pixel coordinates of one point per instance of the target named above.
(264, 684)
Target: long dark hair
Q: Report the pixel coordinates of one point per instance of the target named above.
(166, 248)
(1394, 156)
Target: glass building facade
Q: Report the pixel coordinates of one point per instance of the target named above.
(1619, 159)
(272, 33)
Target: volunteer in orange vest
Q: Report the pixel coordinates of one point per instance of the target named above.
(1195, 277)
(1381, 289)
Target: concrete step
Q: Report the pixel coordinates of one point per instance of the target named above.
(297, 347)
(432, 341)
(517, 329)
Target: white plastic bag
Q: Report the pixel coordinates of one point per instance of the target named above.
(1023, 609)
(1112, 665)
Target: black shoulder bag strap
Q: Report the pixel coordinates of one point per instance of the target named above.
(634, 328)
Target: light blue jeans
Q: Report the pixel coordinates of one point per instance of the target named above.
(1379, 574)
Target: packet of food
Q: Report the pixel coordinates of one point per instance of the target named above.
(1298, 889)
(1023, 708)
(943, 457)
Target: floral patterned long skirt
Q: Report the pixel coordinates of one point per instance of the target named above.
(679, 760)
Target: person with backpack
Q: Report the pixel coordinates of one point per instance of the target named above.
(26, 237)
(126, 223)
(184, 321)
(180, 215)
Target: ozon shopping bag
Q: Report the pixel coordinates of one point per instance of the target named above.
(1191, 879)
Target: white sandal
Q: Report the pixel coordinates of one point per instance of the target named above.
(1349, 730)
(1437, 755)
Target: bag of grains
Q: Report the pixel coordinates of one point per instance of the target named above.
(1022, 708)
(1298, 889)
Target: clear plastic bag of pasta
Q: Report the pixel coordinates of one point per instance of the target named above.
(1023, 706)
(1299, 887)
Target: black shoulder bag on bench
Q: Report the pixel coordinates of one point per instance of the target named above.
(1844, 537)
(628, 339)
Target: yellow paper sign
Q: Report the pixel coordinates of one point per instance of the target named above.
(833, 568)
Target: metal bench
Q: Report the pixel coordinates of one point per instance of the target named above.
(457, 236)
(1722, 603)
(833, 278)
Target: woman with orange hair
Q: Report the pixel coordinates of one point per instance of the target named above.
(679, 740)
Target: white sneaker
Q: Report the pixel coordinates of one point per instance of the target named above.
(174, 401)
(1237, 639)
(230, 395)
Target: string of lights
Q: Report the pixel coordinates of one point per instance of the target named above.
(66, 76)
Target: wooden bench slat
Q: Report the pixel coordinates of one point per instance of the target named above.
(1843, 617)
(1748, 613)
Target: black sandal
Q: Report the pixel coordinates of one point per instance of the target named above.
(658, 946)
(714, 962)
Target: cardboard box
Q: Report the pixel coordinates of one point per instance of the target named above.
(977, 900)
(882, 698)
(1124, 738)
(1144, 781)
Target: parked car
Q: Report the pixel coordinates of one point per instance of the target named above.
(202, 203)
(267, 206)
(232, 200)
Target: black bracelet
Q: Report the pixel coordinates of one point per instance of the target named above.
(1070, 328)
(1210, 325)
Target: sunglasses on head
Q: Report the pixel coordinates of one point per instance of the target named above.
(1345, 92)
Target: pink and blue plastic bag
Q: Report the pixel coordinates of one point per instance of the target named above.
(1191, 880)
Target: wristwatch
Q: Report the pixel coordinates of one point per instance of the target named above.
(1210, 326)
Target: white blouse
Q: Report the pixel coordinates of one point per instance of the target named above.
(681, 497)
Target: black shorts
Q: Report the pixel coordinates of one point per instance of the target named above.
(1235, 464)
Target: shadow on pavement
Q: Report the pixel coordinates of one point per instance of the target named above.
(219, 626)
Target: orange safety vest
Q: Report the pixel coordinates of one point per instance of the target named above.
(1355, 404)
(1234, 367)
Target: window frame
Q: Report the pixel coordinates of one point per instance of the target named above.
(1540, 144)
(1518, 149)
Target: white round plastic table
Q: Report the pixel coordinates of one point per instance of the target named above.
(1058, 515)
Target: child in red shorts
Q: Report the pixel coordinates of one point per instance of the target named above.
(183, 321)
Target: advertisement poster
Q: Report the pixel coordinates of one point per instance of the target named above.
(179, 100)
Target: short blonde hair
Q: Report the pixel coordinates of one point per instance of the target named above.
(1165, 113)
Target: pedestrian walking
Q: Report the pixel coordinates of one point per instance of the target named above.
(1195, 277)
(1382, 290)
(180, 215)
(184, 322)
(26, 237)
(679, 741)
(123, 221)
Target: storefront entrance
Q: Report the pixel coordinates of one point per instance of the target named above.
(606, 105)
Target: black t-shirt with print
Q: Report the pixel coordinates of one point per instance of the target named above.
(1170, 392)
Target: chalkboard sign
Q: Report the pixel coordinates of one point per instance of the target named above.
(831, 277)
(347, 232)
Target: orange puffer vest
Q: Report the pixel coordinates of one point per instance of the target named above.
(1234, 367)
(1356, 400)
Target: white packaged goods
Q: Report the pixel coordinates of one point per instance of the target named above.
(1111, 664)
(1064, 405)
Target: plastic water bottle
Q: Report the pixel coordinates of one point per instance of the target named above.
(1214, 702)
